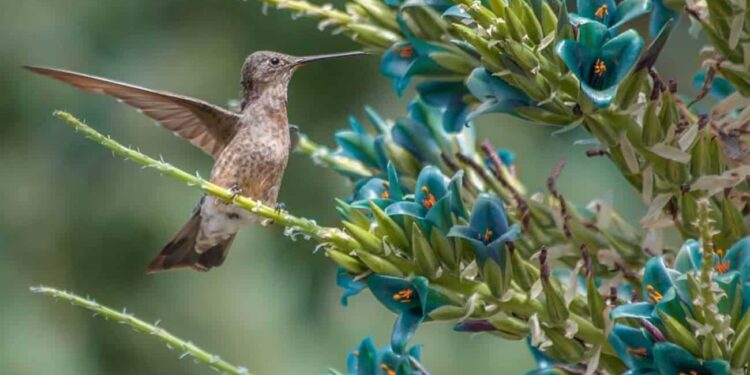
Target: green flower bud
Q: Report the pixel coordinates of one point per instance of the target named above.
(367, 240)
(680, 335)
(346, 261)
(740, 354)
(448, 312)
(554, 303)
(378, 264)
(630, 87)
(389, 228)
(510, 327)
(452, 61)
(549, 19)
(652, 128)
(423, 253)
(515, 26)
(498, 279)
(402, 159)
(567, 350)
(595, 302)
(448, 254)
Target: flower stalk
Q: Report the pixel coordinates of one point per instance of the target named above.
(172, 341)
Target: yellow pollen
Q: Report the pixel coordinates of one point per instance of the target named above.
(430, 200)
(600, 67)
(385, 194)
(406, 52)
(601, 12)
(719, 252)
(487, 235)
(403, 296)
(637, 352)
(387, 370)
(655, 296)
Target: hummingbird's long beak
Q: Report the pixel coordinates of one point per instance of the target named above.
(308, 59)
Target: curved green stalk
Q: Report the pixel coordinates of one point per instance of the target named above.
(187, 347)
(293, 223)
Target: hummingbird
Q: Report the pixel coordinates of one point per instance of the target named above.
(250, 146)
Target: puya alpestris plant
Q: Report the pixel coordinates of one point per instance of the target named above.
(439, 228)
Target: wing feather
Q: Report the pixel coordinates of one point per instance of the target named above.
(207, 126)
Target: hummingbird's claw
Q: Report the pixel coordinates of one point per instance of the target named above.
(236, 191)
(279, 206)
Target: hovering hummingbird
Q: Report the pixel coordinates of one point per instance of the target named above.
(250, 146)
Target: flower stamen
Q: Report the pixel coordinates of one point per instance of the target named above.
(387, 370)
(600, 67)
(403, 296)
(487, 235)
(406, 52)
(654, 294)
(637, 352)
(601, 12)
(430, 200)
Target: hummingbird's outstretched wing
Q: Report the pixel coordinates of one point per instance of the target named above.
(207, 126)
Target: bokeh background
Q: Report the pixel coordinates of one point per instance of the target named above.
(74, 217)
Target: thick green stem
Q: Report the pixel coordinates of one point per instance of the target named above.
(187, 347)
(296, 224)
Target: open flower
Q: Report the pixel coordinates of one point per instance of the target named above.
(367, 359)
(598, 63)
(488, 230)
(609, 13)
(359, 144)
(435, 198)
(495, 94)
(412, 299)
(377, 190)
(450, 99)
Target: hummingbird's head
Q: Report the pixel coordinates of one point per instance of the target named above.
(264, 67)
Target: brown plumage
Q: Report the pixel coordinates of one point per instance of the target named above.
(250, 147)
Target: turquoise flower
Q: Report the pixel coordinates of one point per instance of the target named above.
(412, 299)
(367, 359)
(671, 359)
(488, 230)
(450, 99)
(435, 199)
(599, 63)
(360, 145)
(609, 13)
(351, 285)
(660, 16)
(409, 58)
(645, 352)
(496, 95)
(377, 190)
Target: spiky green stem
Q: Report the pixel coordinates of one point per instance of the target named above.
(186, 347)
(296, 224)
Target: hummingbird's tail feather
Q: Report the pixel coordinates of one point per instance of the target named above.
(181, 251)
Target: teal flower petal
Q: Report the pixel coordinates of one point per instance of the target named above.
(657, 276)
(412, 209)
(689, 258)
(590, 8)
(660, 16)
(633, 346)
(674, 360)
(449, 98)
(350, 286)
(496, 95)
(403, 330)
(637, 310)
(629, 10)
(431, 186)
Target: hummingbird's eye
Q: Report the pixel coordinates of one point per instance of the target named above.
(275, 61)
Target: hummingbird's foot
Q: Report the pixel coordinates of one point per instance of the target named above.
(236, 190)
(279, 207)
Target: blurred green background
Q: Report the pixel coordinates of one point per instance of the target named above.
(76, 218)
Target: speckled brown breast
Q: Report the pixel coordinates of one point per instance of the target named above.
(255, 160)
